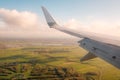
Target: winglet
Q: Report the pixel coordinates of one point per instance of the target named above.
(52, 24)
(49, 19)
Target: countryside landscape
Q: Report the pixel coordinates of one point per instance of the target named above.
(34, 44)
(22, 59)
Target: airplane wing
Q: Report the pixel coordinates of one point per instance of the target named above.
(95, 45)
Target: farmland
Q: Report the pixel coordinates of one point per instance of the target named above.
(51, 62)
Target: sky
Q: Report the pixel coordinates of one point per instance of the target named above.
(25, 19)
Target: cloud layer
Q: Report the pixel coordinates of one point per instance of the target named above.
(26, 24)
(96, 26)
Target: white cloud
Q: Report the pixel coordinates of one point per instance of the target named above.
(73, 24)
(14, 18)
(25, 24)
(14, 23)
(96, 26)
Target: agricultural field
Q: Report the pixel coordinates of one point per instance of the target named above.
(49, 62)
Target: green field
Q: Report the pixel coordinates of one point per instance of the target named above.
(55, 57)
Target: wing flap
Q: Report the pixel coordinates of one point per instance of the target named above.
(88, 57)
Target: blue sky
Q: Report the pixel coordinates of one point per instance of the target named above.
(74, 13)
(67, 9)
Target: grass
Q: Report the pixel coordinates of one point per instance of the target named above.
(64, 59)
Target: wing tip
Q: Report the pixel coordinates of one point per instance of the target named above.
(49, 19)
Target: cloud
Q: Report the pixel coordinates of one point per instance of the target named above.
(73, 24)
(14, 18)
(26, 24)
(99, 26)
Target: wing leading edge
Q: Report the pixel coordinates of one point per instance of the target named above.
(96, 48)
